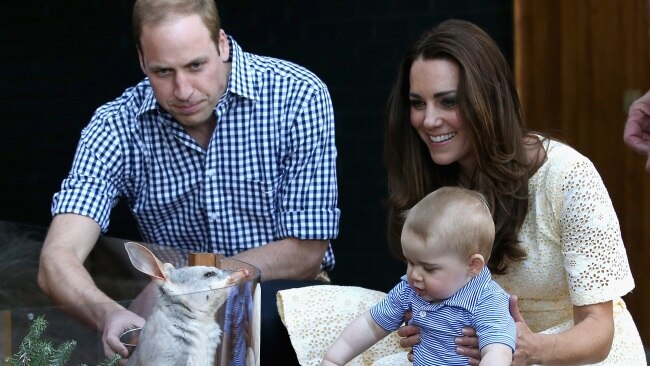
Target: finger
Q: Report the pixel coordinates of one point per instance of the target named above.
(108, 352)
(408, 342)
(637, 143)
(647, 164)
(514, 309)
(471, 352)
(469, 332)
(406, 330)
(113, 346)
(470, 342)
(408, 316)
(403, 343)
(410, 356)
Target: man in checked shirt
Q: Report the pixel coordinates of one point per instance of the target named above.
(216, 150)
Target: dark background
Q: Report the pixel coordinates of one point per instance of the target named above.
(60, 60)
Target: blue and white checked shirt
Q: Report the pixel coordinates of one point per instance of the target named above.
(269, 171)
(481, 304)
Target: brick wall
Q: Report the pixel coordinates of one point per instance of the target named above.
(65, 60)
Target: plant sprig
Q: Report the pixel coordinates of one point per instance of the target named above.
(34, 351)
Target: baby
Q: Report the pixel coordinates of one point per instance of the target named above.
(447, 239)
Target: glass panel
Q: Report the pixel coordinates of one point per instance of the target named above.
(236, 313)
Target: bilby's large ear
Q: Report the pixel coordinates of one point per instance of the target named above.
(145, 261)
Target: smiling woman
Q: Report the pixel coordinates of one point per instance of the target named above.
(567, 266)
(434, 113)
(558, 244)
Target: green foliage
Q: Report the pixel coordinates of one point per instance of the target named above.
(34, 351)
(111, 361)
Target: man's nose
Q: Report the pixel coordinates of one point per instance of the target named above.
(183, 88)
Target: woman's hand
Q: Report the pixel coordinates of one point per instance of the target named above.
(410, 335)
(467, 345)
(525, 337)
(587, 342)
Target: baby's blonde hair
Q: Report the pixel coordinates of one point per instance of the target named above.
(457, 217)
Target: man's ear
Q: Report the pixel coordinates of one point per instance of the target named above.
(141, 60)
(223, 46)
(476, 264)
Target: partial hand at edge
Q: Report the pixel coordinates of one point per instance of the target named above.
(636, 133)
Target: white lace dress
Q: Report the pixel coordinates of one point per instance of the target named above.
(575, 253)
(575, 257)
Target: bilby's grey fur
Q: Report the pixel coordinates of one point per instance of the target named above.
(182, 329)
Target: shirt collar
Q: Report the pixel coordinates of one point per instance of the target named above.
(149, 103)
(242, 75)
(468, 295)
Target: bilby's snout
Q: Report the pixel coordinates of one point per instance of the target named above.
(238, 276)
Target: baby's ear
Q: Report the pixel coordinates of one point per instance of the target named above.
(476, 264)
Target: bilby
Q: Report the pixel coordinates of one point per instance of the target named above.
(182, 329)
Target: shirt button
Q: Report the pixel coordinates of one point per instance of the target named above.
(210, 172)
(423, 313)
(213, 216)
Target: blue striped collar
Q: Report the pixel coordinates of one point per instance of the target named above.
(466, 297)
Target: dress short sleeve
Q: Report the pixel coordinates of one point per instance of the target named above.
(595, 259)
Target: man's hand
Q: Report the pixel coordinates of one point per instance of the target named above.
(637, 127)
(117, 323)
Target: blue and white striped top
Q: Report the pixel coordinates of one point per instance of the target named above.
(269, 172)
(481, 304)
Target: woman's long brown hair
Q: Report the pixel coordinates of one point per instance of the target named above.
(489, 106)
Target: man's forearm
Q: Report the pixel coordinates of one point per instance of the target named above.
(289, 258)
(66, 285)
(62, 275)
